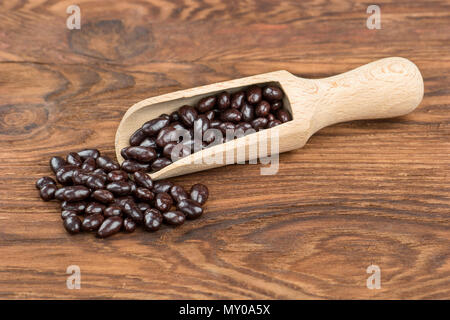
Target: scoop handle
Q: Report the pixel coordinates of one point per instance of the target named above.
(385, 88)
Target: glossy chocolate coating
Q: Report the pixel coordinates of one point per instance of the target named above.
(206, 104)
(163, 202)
(112, 211)
(174, 218)
(190, 208)
(141, 154)
(72, 224)
(254, 94)
(152, 220)
(199, 193)
(89, 153)
(47, 192)
(56, 163)
(110, 226)
(92, 222)
(129, 225)
(178, 193)
(43, 181)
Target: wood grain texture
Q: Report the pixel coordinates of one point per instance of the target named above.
(358, 193)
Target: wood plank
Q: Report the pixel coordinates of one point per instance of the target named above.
(359, 193)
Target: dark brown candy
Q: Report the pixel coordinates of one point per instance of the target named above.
(270, 117)
(247, 111)
(283, 116)
(142, 179)
(141, 154)
(167, 135)
(162, 186)
(110, 226)
(67, 213)
(152, 127)
(109, 200)
(144, 194)
(80, 176)
(47, 192)
(190, 208)
(100, 172)
(44, 181)
(120, 201)
(133, 186)
(131, 209)
(103, 196)
(177, 125)
(94, 208)
(117, 175)
(149, 143)
(56, 163)
(160, 163)
(178, 193)
(137, 137)
(131, 166)
(59, 194)
(276, 105)
(143, 206)
(254, 94)
(244, 126)
(89, 153)
(206, 104)
(72, 224)
(174, 218)
(107, 164)
(123, 152)
(163, 202)
(227, 126)
(259, 123)
(92, 222)
(89, 164)
(237, 99)
(65, 173)
(152, 220)
(272, 93)
(77, 207)
(95, 181)
(223, 100)
(273, 123)
(210, 115)
(112, 210)
(174, 116)
(262, 109)
(187, 115)
(199, 193)
(119, 188)
(74, 159)
(231, 115)
(215, 124)
(73, 193)
(129, 225)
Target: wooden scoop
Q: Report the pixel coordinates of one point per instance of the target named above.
(385, 88)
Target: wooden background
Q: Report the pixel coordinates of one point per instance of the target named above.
(360, 193)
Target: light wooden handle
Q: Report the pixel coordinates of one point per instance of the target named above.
(382, 89)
